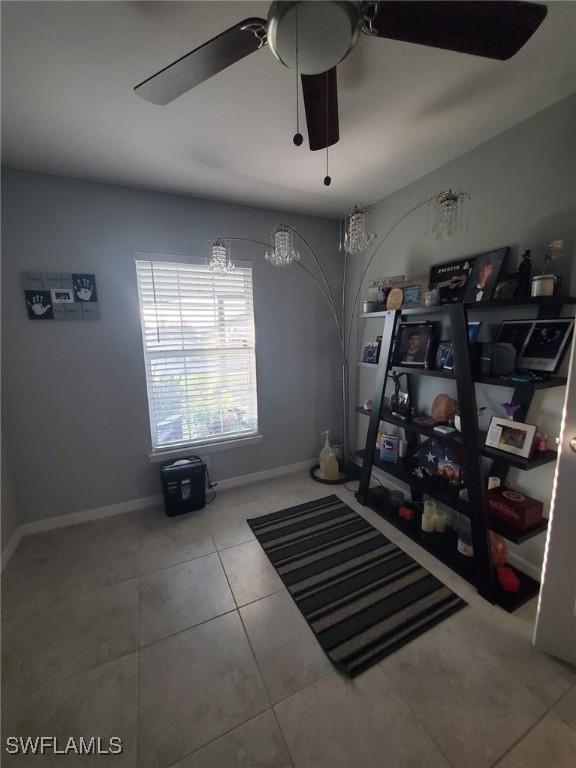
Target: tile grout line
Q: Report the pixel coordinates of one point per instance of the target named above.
(548, 711)
(272, 704)
(252, 651)
(217, 738)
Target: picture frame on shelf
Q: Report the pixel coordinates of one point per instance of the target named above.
(370, 352)
(443, 349)
(414, 292)
(545, 345)
(485, 274)
(473, 332)
(507, 287)
(512, 437)
(450, 278)
(378, 290)
(414, 344)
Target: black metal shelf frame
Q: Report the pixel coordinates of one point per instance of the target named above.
(470, 439)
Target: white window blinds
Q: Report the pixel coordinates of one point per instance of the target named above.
(198, 335)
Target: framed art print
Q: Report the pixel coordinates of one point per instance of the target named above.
(511, 436)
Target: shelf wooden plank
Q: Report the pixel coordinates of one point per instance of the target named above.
(450, 499)
(502, 304)
(503, 381)
(444, 547)
(514, 535)
(400, 472)
(536, 460)
(373, 314)
(424, 371)
(507, 381)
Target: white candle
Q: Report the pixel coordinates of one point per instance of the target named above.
(440, 520)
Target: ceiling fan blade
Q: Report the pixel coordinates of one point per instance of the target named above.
(496, 30)
(321, 104)
(210, 58)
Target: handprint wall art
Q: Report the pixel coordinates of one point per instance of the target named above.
(39, 305)
(60, 296)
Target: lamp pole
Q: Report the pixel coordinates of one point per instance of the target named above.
(339, 314)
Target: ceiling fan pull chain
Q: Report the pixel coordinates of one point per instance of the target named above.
(298, 138)
(327, 178)
(369, 13)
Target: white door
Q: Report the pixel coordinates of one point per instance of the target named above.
(555, 630)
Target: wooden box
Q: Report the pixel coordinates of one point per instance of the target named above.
(515, 508)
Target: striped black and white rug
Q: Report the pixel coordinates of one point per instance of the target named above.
(362, 596)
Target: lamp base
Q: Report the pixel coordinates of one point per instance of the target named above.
(347, 473)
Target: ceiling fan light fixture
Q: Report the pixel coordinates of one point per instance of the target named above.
(356, 237)
(281, 252)
(446, 212)
(219, 259)
(327, 32)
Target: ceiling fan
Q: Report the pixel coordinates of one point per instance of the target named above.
(313, 37)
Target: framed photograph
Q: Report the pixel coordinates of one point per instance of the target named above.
(473, 332)
(507, 287)
(414, 291)
(62, 295)
(545, 345)
(511, 436)
(414, 344)
(378, 290)
(443, 349)
(450, 279)
(484, 276)
(370, 352)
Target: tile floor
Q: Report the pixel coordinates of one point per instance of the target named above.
(178, 636)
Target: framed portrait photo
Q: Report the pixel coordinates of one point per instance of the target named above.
(485, 275)
(511, 436)
(414, 345)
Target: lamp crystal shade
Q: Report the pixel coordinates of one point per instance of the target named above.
(447, 215)
(219, 258)
(282, 252)
(356, 235)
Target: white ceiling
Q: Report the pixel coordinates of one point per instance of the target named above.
(68, 70)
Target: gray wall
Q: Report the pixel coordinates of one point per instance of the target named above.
(8, 508)
(76, 425)
(523, 188)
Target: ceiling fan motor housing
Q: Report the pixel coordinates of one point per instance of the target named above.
(327, 32)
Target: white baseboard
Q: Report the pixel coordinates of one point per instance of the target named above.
(134, 505)
(526, 567)
(266, 474)
(10, 548)
(87, 515)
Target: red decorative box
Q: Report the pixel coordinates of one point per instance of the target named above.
(515, 508)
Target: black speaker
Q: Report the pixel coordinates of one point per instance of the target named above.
(496, 359)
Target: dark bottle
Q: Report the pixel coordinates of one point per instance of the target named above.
(524, 275)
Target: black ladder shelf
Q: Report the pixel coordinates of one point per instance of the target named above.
(479, 571)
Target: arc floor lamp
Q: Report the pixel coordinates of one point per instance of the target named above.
(446, 220)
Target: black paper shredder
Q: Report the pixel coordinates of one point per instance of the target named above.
(183, 485)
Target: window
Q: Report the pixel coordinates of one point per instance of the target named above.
(198, 336)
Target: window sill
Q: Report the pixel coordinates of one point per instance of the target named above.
(203, 448)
